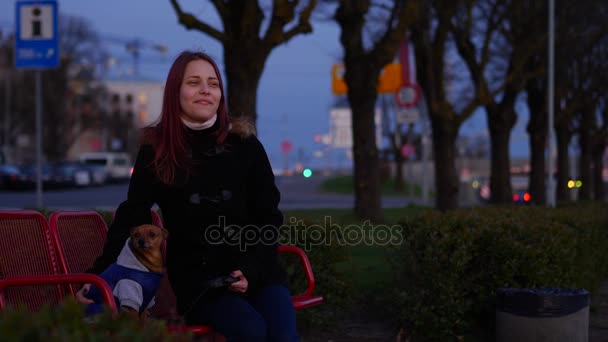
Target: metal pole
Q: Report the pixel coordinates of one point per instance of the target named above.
(550, 95)
(38, 140)
(7, 109)
(425, 150)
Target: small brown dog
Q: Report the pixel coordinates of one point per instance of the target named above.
(146, 241)
(137, 273)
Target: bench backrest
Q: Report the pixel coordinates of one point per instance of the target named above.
(26, 249)
(81, 237)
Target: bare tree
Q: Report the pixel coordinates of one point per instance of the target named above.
(363, 62)
(246, 44)
(496, 39)
(431, 36)
(537, 128)
(591, 131)
(600, 143)
(576, 82)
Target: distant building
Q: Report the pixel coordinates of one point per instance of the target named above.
(129, 104)
(135, 102)
(142, 97)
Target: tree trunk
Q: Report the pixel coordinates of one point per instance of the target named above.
(500, 121)
(366, 165)
(399, 186)
(599, 193)
(244, 67)
(585, 166)
(446, 177)
(537, 131)
(563, 137)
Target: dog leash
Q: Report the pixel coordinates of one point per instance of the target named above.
(214, 283)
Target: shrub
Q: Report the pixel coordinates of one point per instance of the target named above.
(450, 265)
(330, 282)
(65, 322)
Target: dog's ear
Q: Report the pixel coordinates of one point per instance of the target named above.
(165, 233)
(132, 229)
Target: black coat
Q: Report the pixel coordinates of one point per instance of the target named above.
(215, 213)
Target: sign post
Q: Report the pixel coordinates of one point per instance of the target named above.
(408, 95)
(36, 47)
(286, 147)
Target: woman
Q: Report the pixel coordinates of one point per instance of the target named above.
(212, 180)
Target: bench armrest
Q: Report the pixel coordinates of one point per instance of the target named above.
(61, 279)
(310, 278)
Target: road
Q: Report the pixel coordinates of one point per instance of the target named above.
(296, 193)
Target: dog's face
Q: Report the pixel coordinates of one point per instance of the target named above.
(147, 237)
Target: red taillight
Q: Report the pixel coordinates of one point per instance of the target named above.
(515, 197)
(131, 170)
(526, 197)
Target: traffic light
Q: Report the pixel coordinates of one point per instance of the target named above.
(307, 173)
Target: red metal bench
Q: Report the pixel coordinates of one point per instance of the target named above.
(64, 224)
(30, 271)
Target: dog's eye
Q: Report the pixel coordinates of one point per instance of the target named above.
(152, 234)
(137, 235)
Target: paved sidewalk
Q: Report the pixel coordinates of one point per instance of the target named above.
(598, 316)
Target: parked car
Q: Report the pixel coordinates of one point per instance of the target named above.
(10, 177)
(117, 164)
(67, 174)
(28, 176)
(98, 173)
(519, 185)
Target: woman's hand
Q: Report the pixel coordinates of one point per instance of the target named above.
(80, 294)
(240, 286)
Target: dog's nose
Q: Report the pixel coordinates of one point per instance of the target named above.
(141, 243)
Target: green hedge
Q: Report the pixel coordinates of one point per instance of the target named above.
(450, 265)
(65, 323)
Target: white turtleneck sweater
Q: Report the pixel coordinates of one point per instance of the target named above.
(197, 126)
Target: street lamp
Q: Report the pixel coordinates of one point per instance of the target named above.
(550, 106)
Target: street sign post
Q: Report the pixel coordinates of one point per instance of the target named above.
(408, 95)
(36, 47)
(407, 116)
(286, 146)
(36, 44)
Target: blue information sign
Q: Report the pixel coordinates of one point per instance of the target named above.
(36, 45)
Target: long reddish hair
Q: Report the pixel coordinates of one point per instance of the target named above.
(168, 135)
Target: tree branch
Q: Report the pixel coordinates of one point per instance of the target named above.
(468, 110)
(190, 22)
(221, 8)
(282, 13)
(404, 15)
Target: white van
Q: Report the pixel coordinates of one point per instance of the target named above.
(117, 164)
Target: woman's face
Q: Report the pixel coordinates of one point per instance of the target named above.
(200, 93)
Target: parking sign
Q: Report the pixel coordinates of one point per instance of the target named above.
(36, 45)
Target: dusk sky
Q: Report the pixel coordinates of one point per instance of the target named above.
(295, 94)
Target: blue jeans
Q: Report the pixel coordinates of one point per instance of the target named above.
(267, 315)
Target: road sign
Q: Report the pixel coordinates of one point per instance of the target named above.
(408, 150)
(36, 45)
(340, 127)
(407, 116)
(408, 95)
(389, 79)
(286, 146)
